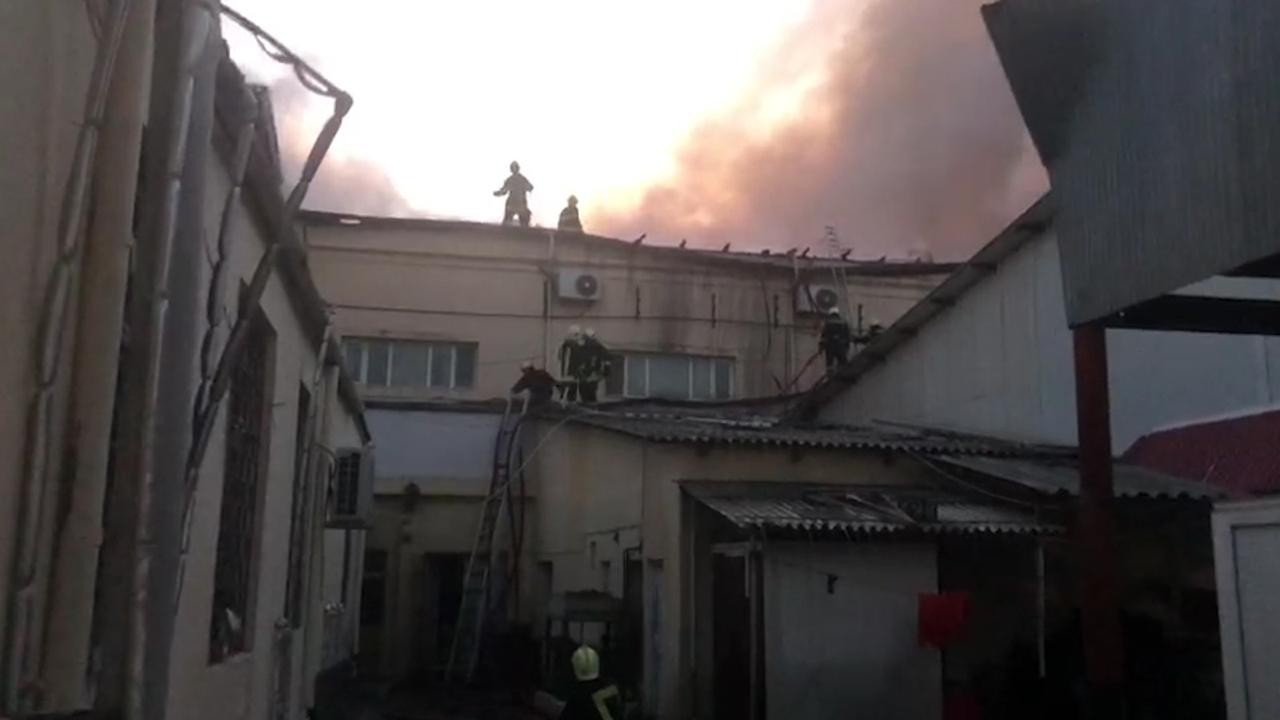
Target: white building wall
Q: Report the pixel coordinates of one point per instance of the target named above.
(241, 686)
(841, 653)
(1000, 362)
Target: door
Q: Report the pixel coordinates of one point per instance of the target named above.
(1246, 548)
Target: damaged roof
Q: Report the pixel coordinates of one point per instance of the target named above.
(1050, 470)
(788, 261)
(854, 510)
(768, 431)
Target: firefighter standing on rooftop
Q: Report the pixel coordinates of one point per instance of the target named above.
(517, 189)
(569, 220)
(592, 697)
(834, 341)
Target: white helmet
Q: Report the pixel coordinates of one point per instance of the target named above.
(574, 331)
(834, 312)
(526, 365)
(590, 332)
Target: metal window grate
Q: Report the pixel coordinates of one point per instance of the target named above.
(347, 484)
(246, 437)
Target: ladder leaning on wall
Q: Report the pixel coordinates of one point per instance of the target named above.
(468, 634)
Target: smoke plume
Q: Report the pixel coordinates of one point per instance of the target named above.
(908, 141)
(342, 184)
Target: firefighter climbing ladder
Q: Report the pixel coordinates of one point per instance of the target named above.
(839, 277)
(474, 608)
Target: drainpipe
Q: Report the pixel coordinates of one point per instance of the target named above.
(547, 294)
(1103, 643)
(182, 109)
(68, 674)
(319, 472)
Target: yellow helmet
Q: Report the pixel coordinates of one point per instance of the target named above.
(586, 663)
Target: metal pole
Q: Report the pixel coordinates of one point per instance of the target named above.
(1040, 609)
(1103, 644)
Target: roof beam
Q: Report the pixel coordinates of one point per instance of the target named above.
(1190, 313)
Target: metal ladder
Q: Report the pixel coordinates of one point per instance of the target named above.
(464, 653)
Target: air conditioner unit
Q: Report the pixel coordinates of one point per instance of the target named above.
(817, 298)
(578, 285)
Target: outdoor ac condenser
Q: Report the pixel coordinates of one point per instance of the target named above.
(578, 285)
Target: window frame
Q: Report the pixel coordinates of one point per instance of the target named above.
(631, 360)
(262, 331)
(435, 352)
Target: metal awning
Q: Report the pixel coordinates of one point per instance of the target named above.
(852, 510)
(1159, 134)
(1062, 477)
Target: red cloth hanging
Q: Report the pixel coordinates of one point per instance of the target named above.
(943, 617)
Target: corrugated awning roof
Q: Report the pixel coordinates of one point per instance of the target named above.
(1062, 477)
(677, 428)
(854, 510)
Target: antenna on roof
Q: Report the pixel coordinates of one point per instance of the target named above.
(805, 253)
(726, 247)
(640, 239)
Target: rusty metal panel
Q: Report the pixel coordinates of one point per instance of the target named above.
(1160, 126)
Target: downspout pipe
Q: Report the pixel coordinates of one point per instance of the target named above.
(196, 23)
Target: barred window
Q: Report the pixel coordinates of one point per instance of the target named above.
(410, 363)
(248, 429)
(346, 483)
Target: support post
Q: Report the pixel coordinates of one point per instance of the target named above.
(1103, 643)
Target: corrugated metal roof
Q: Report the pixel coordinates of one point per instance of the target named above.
(680, 428)
(1158, 123)
(854, 510)
(1062, 477)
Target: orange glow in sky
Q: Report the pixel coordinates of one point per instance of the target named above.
(592, 97)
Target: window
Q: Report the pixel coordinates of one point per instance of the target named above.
(247, 438)
(410, 363)
(346, 483)
(675, 377)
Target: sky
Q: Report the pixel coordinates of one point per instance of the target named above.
(751, 122)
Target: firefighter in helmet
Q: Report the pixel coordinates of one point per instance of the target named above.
(592, 697)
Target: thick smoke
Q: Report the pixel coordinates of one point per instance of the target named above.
(909, 142)
(343, 184)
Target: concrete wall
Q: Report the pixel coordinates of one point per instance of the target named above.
(46, 55)
(448, 456)
(243, 685)
(485, 285)
(593, 483)
(1000, 362)
(841, 653)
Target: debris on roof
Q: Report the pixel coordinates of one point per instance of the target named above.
(852, 510)
(1062, 477)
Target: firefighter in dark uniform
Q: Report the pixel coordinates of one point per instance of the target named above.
(592, 697)
(569, 220)
(595, 367)
(540, 384)
(573, 356)
(835, 339)
(517, 189)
